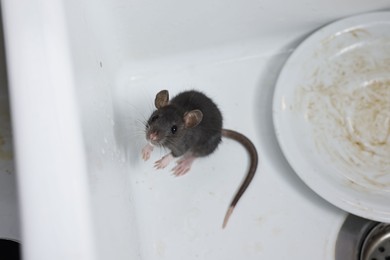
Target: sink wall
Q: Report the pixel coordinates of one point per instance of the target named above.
(9, 210)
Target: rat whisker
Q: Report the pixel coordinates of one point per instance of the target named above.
(131, 134)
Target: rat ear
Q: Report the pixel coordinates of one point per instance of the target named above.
(161, 99)
(192, 118)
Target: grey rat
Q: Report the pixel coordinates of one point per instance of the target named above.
(190, 126)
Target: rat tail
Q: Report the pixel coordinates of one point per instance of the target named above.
(249, 146)
(227, 216)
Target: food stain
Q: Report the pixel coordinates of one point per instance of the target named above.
(346, 102)
(357, 32)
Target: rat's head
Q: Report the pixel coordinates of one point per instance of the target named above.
(168, 124)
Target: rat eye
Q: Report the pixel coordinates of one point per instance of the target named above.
(174, 129)
(154, 118)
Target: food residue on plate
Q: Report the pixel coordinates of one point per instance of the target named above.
(346, 103)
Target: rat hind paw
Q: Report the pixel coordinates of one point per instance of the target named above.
(183, 166)
(163, 162)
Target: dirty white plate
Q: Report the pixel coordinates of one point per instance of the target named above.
(331, 113)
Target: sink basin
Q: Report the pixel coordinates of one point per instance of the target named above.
(83, 76)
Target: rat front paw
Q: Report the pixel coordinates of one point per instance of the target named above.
(164, 161)
(147, 151)
(183, 166)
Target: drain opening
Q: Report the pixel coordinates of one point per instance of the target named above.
(376, 245)
(9, 249)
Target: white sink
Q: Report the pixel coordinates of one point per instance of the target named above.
(83, 74)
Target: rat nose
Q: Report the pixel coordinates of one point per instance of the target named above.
(153, 136)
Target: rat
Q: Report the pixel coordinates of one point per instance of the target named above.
(190, 126)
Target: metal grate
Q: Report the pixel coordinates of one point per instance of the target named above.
(376, 245)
